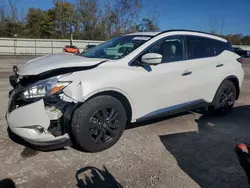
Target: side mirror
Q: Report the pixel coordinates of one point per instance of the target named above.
(152, 58)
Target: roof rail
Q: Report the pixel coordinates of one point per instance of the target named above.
(171, 30)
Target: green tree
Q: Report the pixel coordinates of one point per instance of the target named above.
(40, 23)
(64, 17)
(10, 28)
(35, 19)
(49, 22)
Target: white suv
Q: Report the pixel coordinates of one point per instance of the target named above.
(88, 99)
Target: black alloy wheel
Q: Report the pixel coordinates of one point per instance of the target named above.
(225, 98)
(98, 123)
(104, 125)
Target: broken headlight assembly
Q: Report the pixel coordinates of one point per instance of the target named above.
(44, 88)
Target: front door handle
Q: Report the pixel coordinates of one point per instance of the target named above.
(186, 73)
(219, 65)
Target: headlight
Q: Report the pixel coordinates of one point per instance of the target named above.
(44, 88)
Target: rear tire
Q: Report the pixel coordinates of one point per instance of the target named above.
(224, 99)
(99, 123)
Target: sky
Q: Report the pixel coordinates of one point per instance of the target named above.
(225, 16)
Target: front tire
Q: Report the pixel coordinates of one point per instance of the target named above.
(224, 99)
(99, 123)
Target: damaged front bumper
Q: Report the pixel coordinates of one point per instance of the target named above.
(41, 126)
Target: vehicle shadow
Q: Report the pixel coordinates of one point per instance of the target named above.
(92, 177)
(7, 183)
(207, 155)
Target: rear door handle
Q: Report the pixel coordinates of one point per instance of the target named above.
(186, 73)
(220, 65)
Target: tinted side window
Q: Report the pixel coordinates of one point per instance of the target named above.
(171, 49)
(219, 47)
(199, 47)
(229, 47)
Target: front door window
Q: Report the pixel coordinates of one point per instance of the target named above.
(171, 49)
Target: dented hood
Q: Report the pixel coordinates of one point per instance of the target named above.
(56, 61)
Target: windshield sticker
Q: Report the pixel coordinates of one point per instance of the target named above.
(141, 38)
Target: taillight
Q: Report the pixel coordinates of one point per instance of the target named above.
(240, 60)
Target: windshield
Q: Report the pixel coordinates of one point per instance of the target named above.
(117, 48)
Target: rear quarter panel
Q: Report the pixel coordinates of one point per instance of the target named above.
(231, 68)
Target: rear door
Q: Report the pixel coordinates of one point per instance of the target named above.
(202, 53)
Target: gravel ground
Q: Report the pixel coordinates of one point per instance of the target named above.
(189, 150)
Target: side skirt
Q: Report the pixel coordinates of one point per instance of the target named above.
(174, 110)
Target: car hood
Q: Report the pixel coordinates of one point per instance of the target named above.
(56, 61)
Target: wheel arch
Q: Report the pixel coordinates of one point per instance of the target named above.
(119, 95)
(235, 81)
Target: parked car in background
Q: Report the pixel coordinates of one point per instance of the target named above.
(241, 52)
(71, 49)
(89, 46)
(89, 98)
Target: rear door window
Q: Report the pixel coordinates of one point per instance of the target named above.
(201, 47)
(221, 46)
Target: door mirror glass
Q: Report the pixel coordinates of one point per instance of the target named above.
(152, 58)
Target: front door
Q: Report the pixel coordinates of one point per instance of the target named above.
(167, 86)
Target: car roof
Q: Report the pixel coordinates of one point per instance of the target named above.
(182, 31)
(145, 33)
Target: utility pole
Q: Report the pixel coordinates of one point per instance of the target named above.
(71, 39)
(71, 35)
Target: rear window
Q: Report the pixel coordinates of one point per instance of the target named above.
(201, 47)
